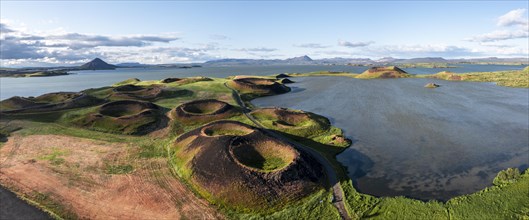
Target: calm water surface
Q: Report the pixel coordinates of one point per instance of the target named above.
(418, 142)
(90, 79)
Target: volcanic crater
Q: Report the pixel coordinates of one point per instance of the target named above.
(125, 116)
(292, 121)
(258, 85)
(204, 110)
(243, 166)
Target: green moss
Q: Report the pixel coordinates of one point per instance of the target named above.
(55, 156)
(119, 169)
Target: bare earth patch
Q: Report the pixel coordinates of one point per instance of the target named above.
(74, 173)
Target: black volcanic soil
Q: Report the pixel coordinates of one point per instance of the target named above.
(259, 85)
(218, 165)
(203, 111)
(48, 102)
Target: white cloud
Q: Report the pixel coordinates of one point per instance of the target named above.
(494, 44)
(218, 37)
(354, 44)
(257, 49)
(500, 35)
(427, 50)
(311, 45)
(515, 26)
(514, 17)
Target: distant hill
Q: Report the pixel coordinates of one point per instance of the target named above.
(97, 64)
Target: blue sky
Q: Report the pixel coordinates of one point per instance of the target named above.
(71, 32)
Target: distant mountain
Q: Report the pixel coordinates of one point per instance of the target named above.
(97, 64)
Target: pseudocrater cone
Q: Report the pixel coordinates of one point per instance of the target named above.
(138, 92)
(205, 107)
(124, 117)
(294, 122)
(126, 108)
(259, 86)
(243, 166)
(205, 110)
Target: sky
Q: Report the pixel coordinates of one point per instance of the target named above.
(47, 33)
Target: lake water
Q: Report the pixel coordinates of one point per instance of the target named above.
(417, 142)
(90, 79)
